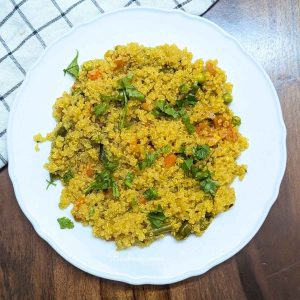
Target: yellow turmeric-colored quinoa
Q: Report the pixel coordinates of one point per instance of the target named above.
(146, 144)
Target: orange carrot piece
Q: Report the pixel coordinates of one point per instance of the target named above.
(200, 127)
(142, 200)
(119, 64)
(170, 160)
(89, 172)
(211, 68)
(94, 74)
(146, 106)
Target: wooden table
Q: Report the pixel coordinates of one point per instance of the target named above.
(268, 267)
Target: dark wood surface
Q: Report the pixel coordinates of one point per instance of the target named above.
(267, 268)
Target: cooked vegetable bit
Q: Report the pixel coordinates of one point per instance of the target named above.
(201, 152)
(51, 180)
(187, 165)
(151, 194)
(163, 108)
(184, 231)
(68, 176)
(188, 100)
(170, 160)
(101, 109)
(65, 223)
(188, 125)
(236, 121)
(227, 97)
(151, 157)
(115, 189)
(128, 180)
(126, 92)
(199, 174)
(209, 186)
(62, 131)
(162, 230)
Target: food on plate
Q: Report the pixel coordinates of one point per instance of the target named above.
(145, 144)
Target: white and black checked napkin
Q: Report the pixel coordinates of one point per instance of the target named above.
(28, 26)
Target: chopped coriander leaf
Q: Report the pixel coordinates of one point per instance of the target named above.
(110, 166)
(73, 68)
(151, 194)
(100, 109)
(68, 176)
(104, 178)
(62, 131)
(189, 100)
(125, 82)
(187, 165)
(133, 93)
(148, 161)
(163, 108)
(157, 218)
(95, 186)
(201, 152)
(182, 150)
(209, 186)
(115, 189)
(51, 181)
(65, 223)
(128, 180)
(200, 175)
(133, 202)
(184, 231)
(126, 92)
(151, 157)
(187, 122)
(103, 182)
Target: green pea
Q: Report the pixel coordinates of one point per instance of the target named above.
(227, 97)
(184, 88)
(201, 78)
(236, 121)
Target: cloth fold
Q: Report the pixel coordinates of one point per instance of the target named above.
(28, 26)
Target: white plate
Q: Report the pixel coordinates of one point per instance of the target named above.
(165, 261)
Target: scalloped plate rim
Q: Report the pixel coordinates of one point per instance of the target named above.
(147, 279)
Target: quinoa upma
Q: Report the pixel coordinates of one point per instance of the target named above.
(145, 144)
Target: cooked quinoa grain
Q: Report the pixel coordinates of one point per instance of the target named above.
(145, 144)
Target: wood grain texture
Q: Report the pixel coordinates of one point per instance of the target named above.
(267, 268)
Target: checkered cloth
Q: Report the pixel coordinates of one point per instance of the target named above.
(28, 26)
